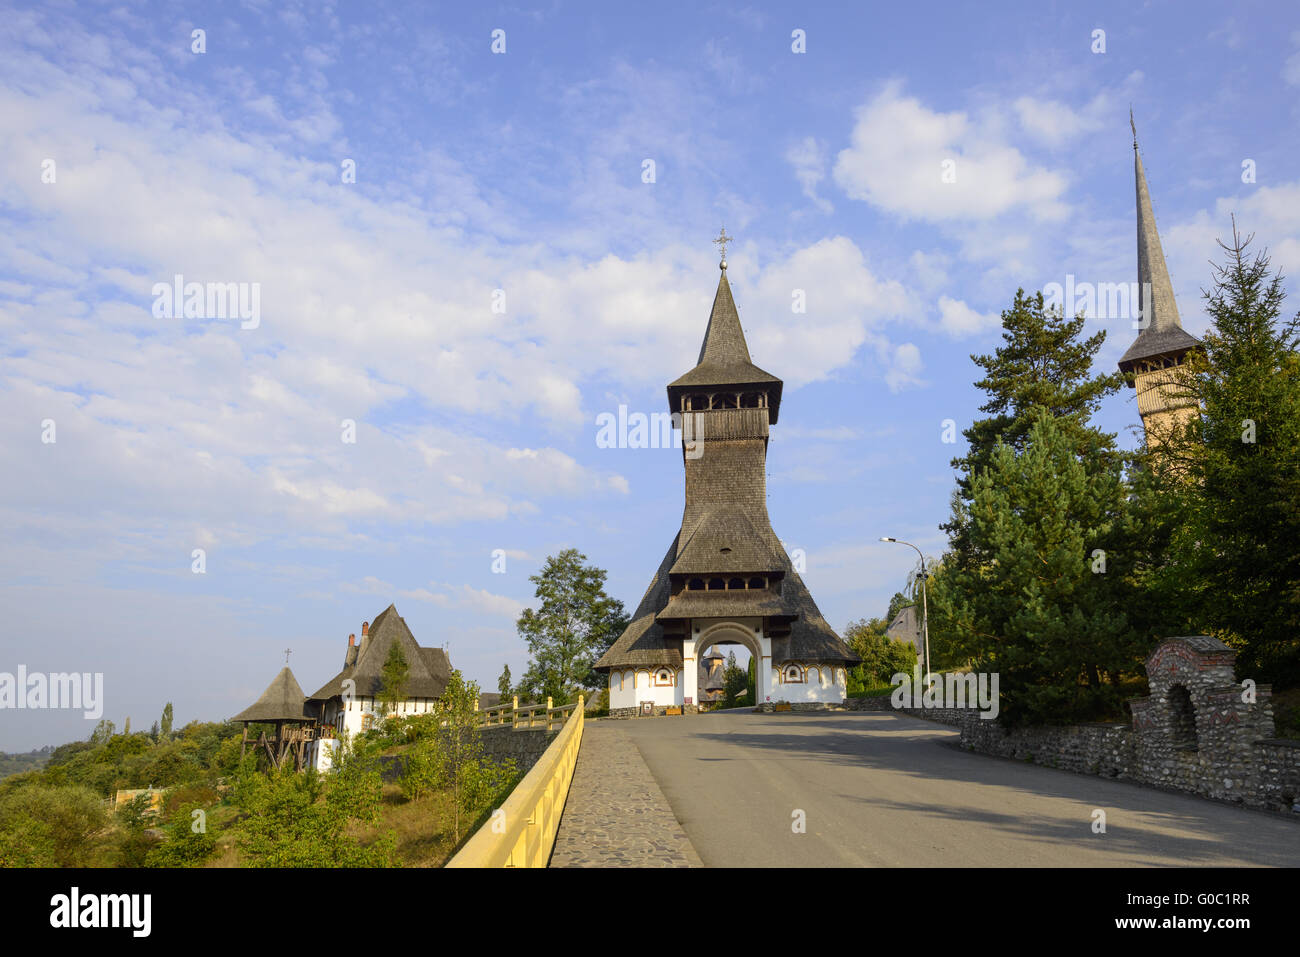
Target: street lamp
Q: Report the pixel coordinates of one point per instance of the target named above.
(925, 611)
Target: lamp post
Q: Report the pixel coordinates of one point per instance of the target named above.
(925, 610)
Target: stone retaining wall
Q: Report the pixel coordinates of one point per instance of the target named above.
(524, 747)
(950, 716)
(659, 711)
(1199, 731)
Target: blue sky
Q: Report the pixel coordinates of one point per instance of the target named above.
(523, 171)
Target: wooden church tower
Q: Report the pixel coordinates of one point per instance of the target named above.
(726, 578)
(1162, 343)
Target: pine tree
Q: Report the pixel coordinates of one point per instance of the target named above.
(394, 678)
(1046, 611)
(734, 681)
(503, 684)
(1042, 365)
(166, 725)
(1231, 478)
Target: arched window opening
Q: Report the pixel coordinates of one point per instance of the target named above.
(696, 584)
(1182, 718)
(716, 584)
(736, 583)
(758, 582)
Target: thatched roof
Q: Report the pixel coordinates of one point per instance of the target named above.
(282, 700)
(430, 668)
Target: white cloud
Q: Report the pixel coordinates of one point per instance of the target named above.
(904, 367)
(442, 594)
(958, 319)
(1055, 123)
(896, 163)
(930, 269)
(844, 299)
(808, 157)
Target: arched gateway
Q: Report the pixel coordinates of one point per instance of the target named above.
(726, 578)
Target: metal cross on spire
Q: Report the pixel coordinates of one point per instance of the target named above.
(1133, 126)
(722, 241)
(287, 653)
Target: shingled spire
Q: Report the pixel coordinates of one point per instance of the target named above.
(724, 357)
(1163, 333)
(727, 578)
(1162, 342)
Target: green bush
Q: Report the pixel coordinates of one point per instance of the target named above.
(42, 826)
(882, 658)
(188, 842)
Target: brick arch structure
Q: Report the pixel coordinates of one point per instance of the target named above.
(1212, 749)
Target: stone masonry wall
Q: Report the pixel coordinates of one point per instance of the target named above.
(659, 711)
(1193, 733)
(499, 743)
(950, 716)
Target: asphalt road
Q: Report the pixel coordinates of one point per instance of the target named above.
(880, 790)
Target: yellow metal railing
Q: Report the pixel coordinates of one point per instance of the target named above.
(522, 831)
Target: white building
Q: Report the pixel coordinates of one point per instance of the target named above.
(349, 702)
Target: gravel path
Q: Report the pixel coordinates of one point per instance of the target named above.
(616, 815)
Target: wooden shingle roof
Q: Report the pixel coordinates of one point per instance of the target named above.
(1164, 335)
(724, 356)
(430, 668)
(727, 540)
(282, 700)
(725, 527)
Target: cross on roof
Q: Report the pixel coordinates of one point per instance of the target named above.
(722, 241)
(287, 653)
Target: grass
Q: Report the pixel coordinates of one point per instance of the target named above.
(424, 827)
